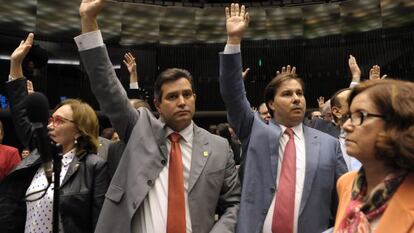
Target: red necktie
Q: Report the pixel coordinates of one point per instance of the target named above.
(176, 204)
(283, 213)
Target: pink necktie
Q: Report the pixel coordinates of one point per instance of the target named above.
(283, 213)
(176, 204)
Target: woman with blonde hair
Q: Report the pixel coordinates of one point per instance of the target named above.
(26, 197)
(379, 133)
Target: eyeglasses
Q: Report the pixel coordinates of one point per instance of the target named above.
(357, 118)
(58, 120)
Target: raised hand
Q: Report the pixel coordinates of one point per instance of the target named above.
(286, 70)
(237, 20)
(90, 8)
(354, 68)
(244, 73)
(30, 88)
(88, 11)
(21, 51)
(129, 61)
(18, 55)
(375, 73)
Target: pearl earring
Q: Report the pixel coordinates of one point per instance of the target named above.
(76, 141)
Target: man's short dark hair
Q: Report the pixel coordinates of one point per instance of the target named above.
(170, 75)
(274, 84)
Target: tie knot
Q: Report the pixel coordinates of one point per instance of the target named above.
(289, 132)
(174, 137)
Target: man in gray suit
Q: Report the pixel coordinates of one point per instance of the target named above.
(139, 196)
(285, 145)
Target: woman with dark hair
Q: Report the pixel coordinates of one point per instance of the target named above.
(379, 133)
(26, 197)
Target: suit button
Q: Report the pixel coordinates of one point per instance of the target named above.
(134, 205)
(164, 162)
(150, 183)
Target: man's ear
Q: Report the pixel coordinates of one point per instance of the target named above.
(270, 104)
(157, 104)
(336, 112)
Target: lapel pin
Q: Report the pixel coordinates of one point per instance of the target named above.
(205, 153)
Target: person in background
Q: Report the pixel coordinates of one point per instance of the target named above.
(224, 131)
(9, 156)
(380, 134)
(25, 152)
(264, 113)
(84, 179)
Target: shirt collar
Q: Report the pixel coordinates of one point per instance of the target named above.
(186, 133)
(68, 157)
(298, 130)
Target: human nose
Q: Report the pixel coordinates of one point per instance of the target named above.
(180, 101)
(347, 126)
(50, 124)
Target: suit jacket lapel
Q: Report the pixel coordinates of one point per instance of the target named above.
(73, 168)
(274, 143)
(200, 154)
(159, 131)
(312, 147)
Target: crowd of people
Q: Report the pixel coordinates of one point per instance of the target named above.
(347, 168)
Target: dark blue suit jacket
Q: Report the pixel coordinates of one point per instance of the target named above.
(324, 161)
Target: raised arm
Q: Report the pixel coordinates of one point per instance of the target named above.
(106, 87)
(240, 115)
(17, 89)
(355, 71)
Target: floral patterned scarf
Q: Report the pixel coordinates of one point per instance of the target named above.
(365, 207)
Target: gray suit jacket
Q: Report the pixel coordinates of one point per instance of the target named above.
(324, 161)
(213, 178)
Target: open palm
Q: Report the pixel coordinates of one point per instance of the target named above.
(20, 52)
(237, 20)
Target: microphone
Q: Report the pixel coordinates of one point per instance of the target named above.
(37, 107)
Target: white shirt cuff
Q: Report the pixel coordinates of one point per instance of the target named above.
(133, 85)
(11, 78)
(89, 40)
(353, 84)
(232, 49)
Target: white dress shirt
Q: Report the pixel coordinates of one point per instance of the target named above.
(40, 213)
(151, 216)
(300, 175)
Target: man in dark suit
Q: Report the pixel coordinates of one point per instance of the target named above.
(172, 175)
(339, 107)
(290, 170)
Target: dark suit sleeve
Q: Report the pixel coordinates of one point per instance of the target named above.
(229, 200)
(109, 92)
(16, 93)
(341, 169)
(239, 112)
